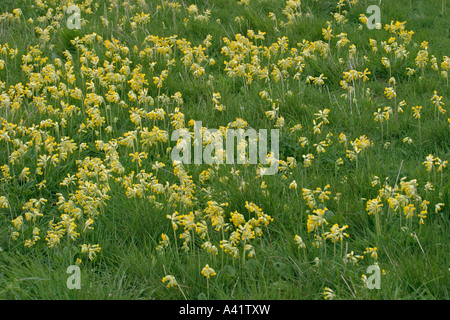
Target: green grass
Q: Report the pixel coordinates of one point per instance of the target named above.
(414, 257)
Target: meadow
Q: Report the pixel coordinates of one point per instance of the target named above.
(88, 104)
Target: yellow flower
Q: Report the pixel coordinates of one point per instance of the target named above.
(303, 141)
(328, 294)
(307, 160)
(372, 251)
(91, 250)
(18, 222)
(4, 202)
(374, 206)
(327, 33)
(352, 257)
(416, 112)
(438, 207)
(17, 13)
(299, 241)
(209, 247)
(171, 281)
(237, 218)
(208, 272)
(246, 232)
(440, 164)
(410, 72)
(407, 140)
(390, 93)
(293, 185)
(409, 210)
(336, 233)
(429, 162)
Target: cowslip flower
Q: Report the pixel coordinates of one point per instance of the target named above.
(299, 241)
(407, 140)
(352, 257)
(91, 250)
(328, 294)
(4, 202)
(374, 206)
(440, 164)
(308, 159)
(438, 207)
(208, 272)
(390, 93)
(416, 112)
(429, 162)
(293, 185)
(171, 281)
(372, 251)
(336, 234)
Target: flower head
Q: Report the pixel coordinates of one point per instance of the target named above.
(171, 281)
(208, 272)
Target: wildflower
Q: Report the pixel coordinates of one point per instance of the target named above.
(171, 281)
(18, 222)
(303, 141)
(299, 241)
(429, 186)
(379, 115)
(323, 114)
(386, 62)
(343, 138)
(158, 165)
(407, 140)
(390, 93)
(237, 219)
(438, 207)
(409, 210)
(209, 247)
(24, 174)
(440, 164)
(163, 243)
(91, 250)
(416, 112)
(410, 72)
(138, 157)
(429, 162)
(297, 127)
(323, 194)
(316, 220)
(328, 294)
(4, 202)
(88, 224)
(327, 33)
(354, 258)
(336, 234)
(423, 213)
(422, 58)
(246, 232)
(208, 272)
(307, 160)
(372, 251)
(374, 206)
(316, 128)
(316, 262)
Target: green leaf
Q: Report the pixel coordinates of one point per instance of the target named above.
(202, 296)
